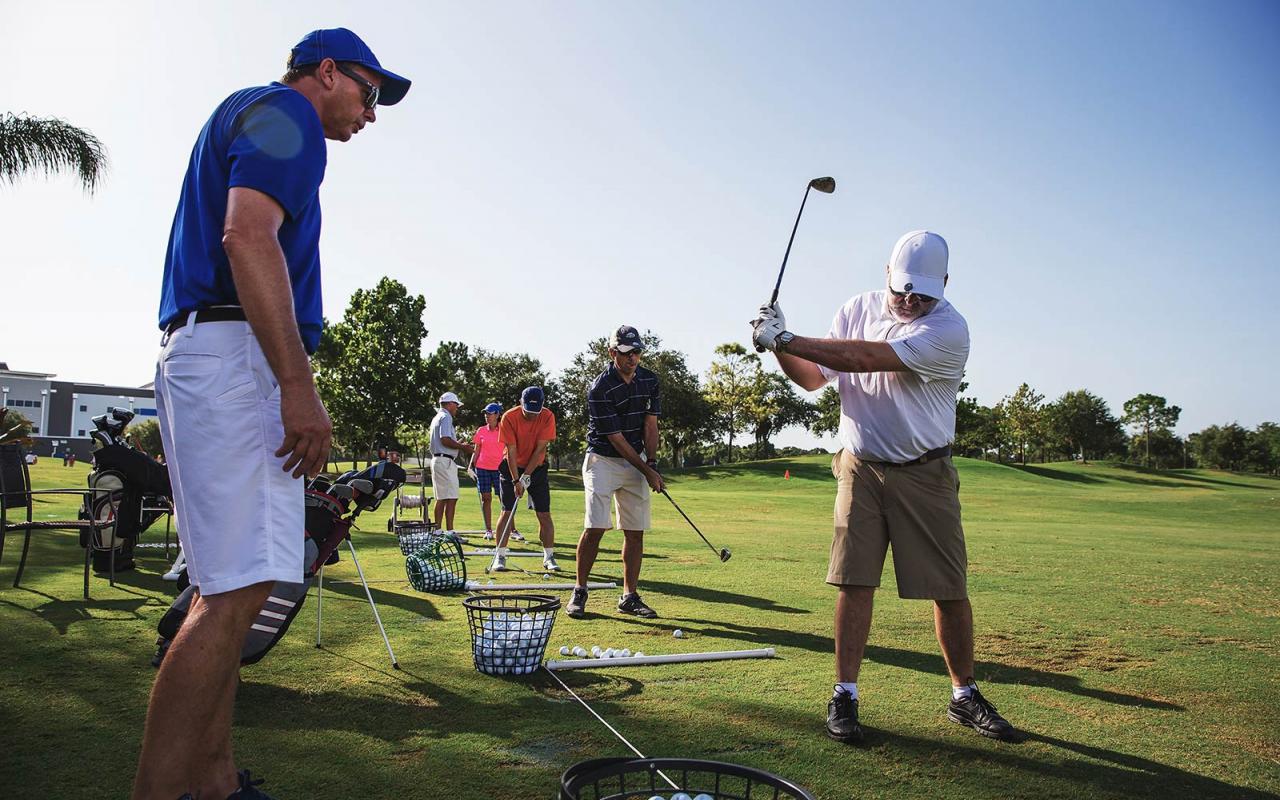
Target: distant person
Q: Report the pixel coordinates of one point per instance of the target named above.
(446, 444)
(620, 467)
(525, 433)
(66, 456)
(484, 463)
(239, 414)
(897, 356)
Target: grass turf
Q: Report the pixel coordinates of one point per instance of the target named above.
(1126, 619)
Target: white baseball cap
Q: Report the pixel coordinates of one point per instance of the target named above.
(918, 264)
(449, 397)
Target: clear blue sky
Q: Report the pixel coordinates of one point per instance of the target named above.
(1105, 172)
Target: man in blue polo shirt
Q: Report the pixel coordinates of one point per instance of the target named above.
(622, 409)
(241, 421)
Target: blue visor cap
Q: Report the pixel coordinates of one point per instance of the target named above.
(493, 408)
(341, 44)
(531, 399)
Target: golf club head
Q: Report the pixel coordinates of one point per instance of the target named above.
(825, 185)
(725, 555)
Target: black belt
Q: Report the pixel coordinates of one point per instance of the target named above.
(442, 455)
(215, 314)
(932, 455)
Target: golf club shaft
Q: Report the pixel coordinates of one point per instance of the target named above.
(774, 298)
(695, 527)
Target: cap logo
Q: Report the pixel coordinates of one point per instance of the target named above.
(909, 287)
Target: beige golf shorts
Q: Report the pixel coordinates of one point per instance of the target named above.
(612, 481)
(916, 509)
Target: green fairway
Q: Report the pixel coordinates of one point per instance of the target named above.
(1127, 620)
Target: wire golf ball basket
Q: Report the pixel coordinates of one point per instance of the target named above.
(437, 566)
(509, 633)
(695, 779)
(413, 536)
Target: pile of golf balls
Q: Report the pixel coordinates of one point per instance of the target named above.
(426, 576)
(683, 796)
(599, 652)
(511, 643)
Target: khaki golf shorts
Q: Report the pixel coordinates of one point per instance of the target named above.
(444, 478)
(613, 481)
(916, 509)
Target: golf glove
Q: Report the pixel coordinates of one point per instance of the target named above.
(770, 311)
(471, 473)
(767, 332)
(525, 480)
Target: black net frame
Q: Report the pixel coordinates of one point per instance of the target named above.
(509, 632)
(642, 778)
(413, 536)
(437, 566)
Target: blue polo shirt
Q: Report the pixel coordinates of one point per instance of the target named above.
(266, 138)
(615, 406)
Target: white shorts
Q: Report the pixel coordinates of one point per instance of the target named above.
(241, 518)
(444, 478)
(607, 480)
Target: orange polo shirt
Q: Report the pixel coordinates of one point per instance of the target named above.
(526, 433)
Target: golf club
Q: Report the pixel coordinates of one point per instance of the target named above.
(825, 185)
(724, 554)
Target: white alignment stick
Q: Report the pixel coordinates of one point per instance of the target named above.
(477, 586)
(675, 658)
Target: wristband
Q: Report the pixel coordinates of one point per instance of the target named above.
(653, 462)
(525, 480)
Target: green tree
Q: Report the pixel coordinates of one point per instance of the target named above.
(31, 144)
(732, 388)
(13, 426)
(1022, 420)
(1085, 424)
(1148, 412)
(146, 436)
(500, 378)
(1222, 446)
(417, 437)
(1263, 449)
(369, 367)
(687, 417)
(777, 405)
(826, 422)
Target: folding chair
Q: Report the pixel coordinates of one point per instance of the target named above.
(16, 493)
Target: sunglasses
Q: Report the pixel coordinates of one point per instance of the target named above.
(923, 298)
(371, 91)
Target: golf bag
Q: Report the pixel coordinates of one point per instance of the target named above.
(133, 481)
(326, 528)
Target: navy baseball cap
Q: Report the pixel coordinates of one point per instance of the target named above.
(492, 408)
(625, 339)
(531, 399)
(341, 44)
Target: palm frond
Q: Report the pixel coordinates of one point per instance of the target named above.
(32, 144)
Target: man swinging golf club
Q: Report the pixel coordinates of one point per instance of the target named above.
(525, 433)
(897, 356)
(622, 422)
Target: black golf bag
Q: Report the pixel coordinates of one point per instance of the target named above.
(326, 528)
(134, 481)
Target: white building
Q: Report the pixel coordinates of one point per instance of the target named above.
(61, 412)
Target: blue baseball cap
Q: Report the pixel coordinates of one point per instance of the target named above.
(493, 408)
(531, 399)
(341, 44)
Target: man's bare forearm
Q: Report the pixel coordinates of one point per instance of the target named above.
(623, 448)
(840, 355)
(651, 441)
(262, 284)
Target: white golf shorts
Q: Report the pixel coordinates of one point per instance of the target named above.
(612, 481)
(240, 516)
(444, 478)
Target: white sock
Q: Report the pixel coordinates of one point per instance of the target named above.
(850, 689)
(548, 552)
(963, 692)
(502, 551)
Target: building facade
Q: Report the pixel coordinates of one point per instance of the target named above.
(62, 412)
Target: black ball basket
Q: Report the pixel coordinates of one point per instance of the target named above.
(643, 778)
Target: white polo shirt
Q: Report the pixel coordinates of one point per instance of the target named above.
(442, 425)
(900, 416)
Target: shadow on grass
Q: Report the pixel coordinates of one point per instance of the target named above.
(805, 469)
(350, 587)
(61, 614)
(705, 595)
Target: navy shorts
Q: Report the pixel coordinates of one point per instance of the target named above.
(539, 490)
(486, 480)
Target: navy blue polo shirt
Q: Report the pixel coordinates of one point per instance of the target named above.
(266, 138)
(615, 406)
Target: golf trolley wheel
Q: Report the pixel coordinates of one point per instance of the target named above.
(645, 778)
(509, 632)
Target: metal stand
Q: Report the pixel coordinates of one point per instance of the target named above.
(376, 617)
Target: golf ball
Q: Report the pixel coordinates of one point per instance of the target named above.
(679, 634)
(624, 653)
(657, 797)
(639, 654)
(704, 796)
(564, 651)
(579, 652)
(546, 577)
(595, 650)
(680, 796)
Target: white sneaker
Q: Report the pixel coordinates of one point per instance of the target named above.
(516, 535)
(170, 576)
(488, 536)
(549, 564)
(499, 564)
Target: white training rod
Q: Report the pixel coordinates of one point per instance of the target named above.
(674, 658)
(477, 586)
(489, 551)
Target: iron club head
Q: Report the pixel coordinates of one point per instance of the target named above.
(825, 185)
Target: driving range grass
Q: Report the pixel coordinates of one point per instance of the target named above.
(1127, 620)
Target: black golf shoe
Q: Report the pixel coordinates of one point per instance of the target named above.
(248, 788)
(632, 604)
(577, 603)
(977, 712)
(842, 719)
